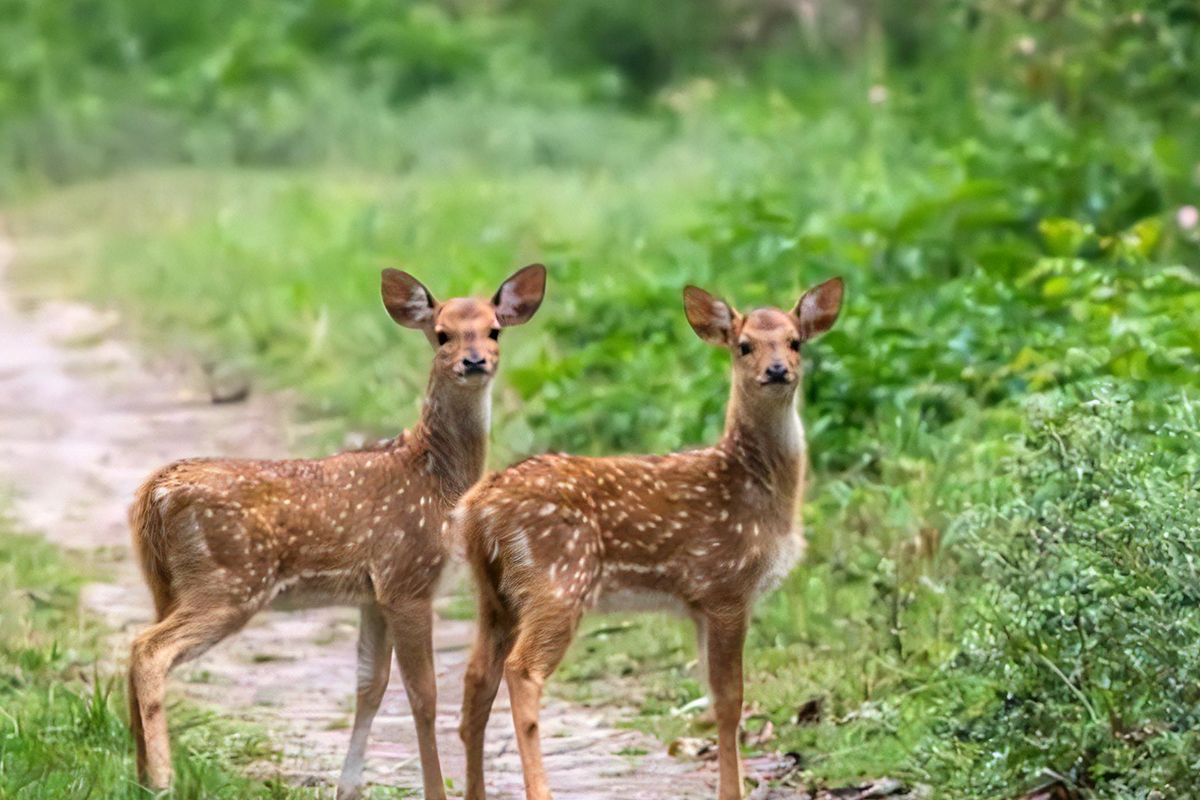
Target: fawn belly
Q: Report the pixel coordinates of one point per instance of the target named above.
(296, 596)
(636, 587)
(620, 599)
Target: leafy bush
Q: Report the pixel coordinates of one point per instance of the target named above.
(1084, 617)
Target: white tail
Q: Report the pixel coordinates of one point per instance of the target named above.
(704, 532)
(219, 540)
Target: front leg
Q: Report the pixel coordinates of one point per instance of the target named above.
(374, 664)
(412, 629)
(726, 638)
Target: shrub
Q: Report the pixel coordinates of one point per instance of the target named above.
(1086, 619)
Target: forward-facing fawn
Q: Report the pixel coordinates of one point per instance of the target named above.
(704, 532)
(220, 540)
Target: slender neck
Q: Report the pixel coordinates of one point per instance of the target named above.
(454, 428)
(765, 434)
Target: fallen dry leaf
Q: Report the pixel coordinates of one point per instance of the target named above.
(760, 737)
(687, 747)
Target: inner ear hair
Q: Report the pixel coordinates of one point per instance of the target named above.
(406, 299)
(712, 319)
(819, 307)
(519, 297)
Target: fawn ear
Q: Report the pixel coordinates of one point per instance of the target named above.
(520, 296)
(407, 299)
(710, 318)
(818, 308)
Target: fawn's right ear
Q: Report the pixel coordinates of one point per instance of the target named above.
(710, 318)
(407, 299)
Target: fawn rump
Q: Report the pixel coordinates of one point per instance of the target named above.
(703, 532)
(219, 540)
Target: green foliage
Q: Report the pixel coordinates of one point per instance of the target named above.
(87, 86)
(645, 44)
(1085, 619)
(63, 725)
(1090, 55)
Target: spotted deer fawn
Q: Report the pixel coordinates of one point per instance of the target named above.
(219, 540)
(703, 532)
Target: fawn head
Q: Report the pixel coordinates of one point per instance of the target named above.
(766, 342)
(464, 331)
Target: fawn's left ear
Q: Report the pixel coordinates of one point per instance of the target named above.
(818, 308)
(520, 296)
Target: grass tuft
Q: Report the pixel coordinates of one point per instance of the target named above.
(64, 728)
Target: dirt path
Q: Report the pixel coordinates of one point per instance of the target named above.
(84, 418)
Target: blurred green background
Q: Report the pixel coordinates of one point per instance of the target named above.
(1001, 586)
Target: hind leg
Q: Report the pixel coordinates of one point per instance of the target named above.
(135, 726)
(183, 635)
(709, 715)
(374, 664)
(493, 642)
(542, 639)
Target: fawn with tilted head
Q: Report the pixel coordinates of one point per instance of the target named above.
(703, 532)
(219, 540)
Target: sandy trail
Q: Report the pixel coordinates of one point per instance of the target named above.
(84, 418)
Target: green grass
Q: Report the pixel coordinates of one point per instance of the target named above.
(63, 718)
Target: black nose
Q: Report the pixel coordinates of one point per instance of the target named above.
(472, 366)
(776, 373)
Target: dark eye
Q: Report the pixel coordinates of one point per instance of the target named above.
(746, 347)
(494, 334)
(795, 345)
(442, 338)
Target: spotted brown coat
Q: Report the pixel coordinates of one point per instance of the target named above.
(219, 540)
(703, 532)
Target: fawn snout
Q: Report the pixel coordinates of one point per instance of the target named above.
(777, 372)
(474, 364)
